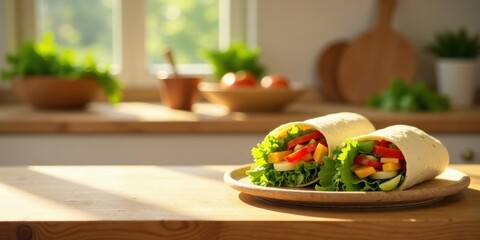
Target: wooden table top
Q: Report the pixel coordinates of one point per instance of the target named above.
(192, 202)
(144, 117)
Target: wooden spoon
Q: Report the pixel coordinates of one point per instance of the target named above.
(374, 58)
(169, 56)
(327, 68)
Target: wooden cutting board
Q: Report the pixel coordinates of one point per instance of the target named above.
(374, 58)
(327, 68)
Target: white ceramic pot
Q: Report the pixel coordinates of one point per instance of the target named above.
(457, 80)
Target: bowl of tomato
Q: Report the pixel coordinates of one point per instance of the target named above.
(241, 92)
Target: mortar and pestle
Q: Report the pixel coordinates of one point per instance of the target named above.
(177, 91)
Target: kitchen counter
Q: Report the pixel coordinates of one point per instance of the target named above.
(130, 133)
(192, 202)
(143, 117)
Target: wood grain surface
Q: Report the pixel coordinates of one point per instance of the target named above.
(327, 68)
(374, 58)
(240, 230)
(171, 202)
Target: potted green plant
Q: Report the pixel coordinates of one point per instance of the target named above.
(456, 65)
(47, 77)
(237, 57)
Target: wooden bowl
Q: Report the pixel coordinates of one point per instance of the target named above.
(255, 99)
(50, 92)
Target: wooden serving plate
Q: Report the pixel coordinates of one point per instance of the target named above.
(448, 183)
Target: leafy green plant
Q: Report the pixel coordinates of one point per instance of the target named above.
(236, 58)
(409, 98)
(45, 59)
(451, 44)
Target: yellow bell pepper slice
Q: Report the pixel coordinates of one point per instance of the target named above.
(389, 160)
(391, 166)
(320, 152)
(276, 157)
(364, 171)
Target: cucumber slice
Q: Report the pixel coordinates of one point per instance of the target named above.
(384, 174)
(390, 184)
(370, 157)
(284, 166)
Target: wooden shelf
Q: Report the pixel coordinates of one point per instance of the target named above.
(153, 117)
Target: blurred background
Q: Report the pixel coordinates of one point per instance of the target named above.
(132, 35)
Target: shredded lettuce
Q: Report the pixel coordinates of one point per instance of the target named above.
(336, 174)
(262, 173)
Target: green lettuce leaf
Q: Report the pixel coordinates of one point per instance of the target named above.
(304, 172)
(329, 176)
(336, 174)
(262, 173)
(346, 157)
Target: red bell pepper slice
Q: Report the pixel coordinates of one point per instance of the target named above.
(383, 143)
(295, 156)
(303, 139)
(388, 152)
(367, 162)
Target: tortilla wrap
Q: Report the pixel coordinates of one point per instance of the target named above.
(335, 127)
(425, 156)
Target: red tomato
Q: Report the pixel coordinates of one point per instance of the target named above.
(238, 79)
(274, 81)
(368, 162)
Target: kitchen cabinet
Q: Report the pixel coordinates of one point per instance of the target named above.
(165, 149)
(463, 148)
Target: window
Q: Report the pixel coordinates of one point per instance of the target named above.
(86, 26)
(133, 34)
(185, 26)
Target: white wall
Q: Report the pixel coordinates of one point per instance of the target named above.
(292, 33)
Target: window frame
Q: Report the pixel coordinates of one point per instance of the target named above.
(234, 25)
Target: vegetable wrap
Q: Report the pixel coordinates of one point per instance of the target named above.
(394, 158)
(292, 154)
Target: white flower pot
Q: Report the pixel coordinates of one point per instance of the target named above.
(457, 80)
